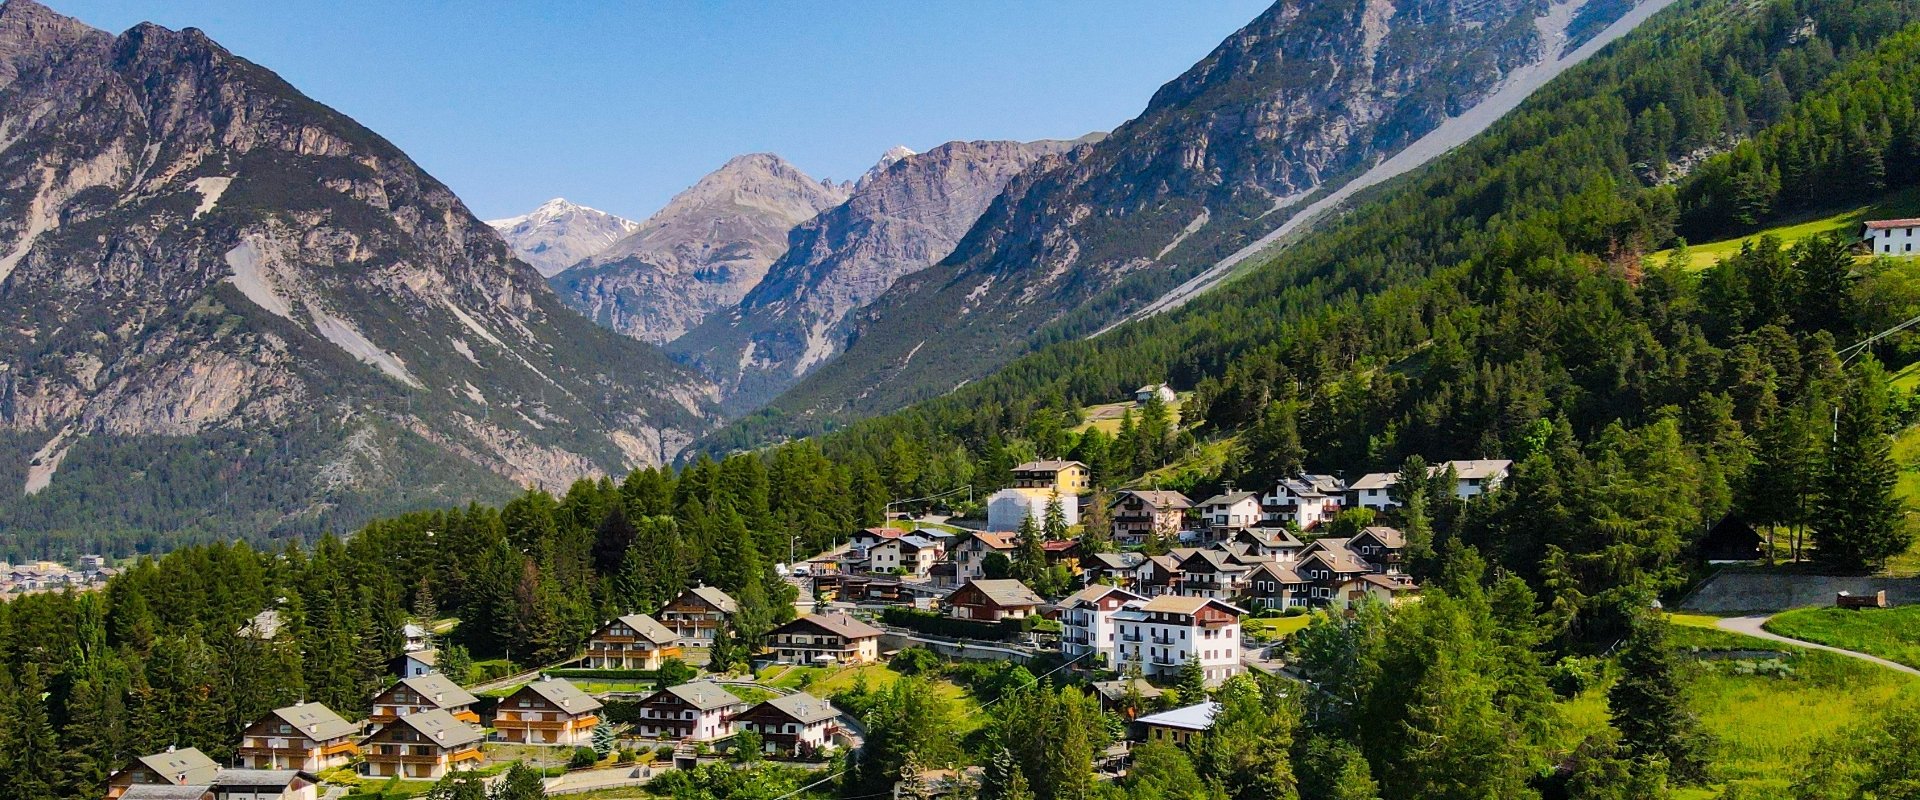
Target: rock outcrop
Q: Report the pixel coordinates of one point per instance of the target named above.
(908, 212)
(704, 251)
(226, 307)
(560, 234)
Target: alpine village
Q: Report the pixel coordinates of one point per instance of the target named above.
(1417, 400)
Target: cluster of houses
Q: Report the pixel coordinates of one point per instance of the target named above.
(44, 576)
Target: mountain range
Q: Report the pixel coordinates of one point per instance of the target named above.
(1282, 113)
(230, 308)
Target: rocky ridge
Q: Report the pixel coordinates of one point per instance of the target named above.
(226, 307)
(705, 250)
(905, 214)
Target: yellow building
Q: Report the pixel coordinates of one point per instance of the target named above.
(1069, 478)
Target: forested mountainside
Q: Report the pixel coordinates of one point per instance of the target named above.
(559, 234)
(1294, 104)
(1500, 302)
(227, 310)
(704, 251)
(904, 215)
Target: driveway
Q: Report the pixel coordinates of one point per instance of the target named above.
(1752, 626)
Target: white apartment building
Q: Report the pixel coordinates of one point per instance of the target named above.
(1086, 623)
(1161, 635)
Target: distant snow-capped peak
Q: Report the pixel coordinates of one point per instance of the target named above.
(559, 234)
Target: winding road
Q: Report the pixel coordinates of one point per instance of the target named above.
(1754, 626)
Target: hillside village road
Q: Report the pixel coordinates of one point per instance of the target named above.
(1751, 626)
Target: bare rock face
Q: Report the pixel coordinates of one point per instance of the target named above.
(907, 213)
(560, 234)
(1303, 98)
(225, 306)
(705, 250)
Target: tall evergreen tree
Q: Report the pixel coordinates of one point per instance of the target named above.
(1861, 520)
(1649, 704)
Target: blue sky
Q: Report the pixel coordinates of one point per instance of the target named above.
(619, 105)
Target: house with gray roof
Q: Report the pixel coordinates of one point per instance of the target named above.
(632, 641)
(697, 614)
(169, 767)
(798, 724)
(701, 711)
(302, 736)
(992, 600)
(547, 711)
(422, 746)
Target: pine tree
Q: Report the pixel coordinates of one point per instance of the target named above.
(1862, 523)
(1649, 703)
(32, 750)
(1192, 681)
(1054, 525)
(1096, 526)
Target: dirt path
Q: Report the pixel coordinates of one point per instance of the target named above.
(1753, 626)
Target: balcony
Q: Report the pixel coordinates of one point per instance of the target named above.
(1163, 640)
(1131, 637)
(1165, 661)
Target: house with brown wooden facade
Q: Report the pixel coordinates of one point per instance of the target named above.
(418, 695)
(185, 766)
(547, 711)
(825, 639)
(422, 746)
(697, 614)
(993, 600)
(303, 736)
(798, 724)
(633, 641)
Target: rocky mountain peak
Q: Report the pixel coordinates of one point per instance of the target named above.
(709, 246)
(893, 156)
(278, 304)
(559, 234)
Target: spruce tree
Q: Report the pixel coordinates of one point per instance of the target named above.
(1861, 520)
(1649, 704)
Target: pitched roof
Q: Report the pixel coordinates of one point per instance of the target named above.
(430, 658)
(918, 542)
(442, 728)
(562, 693)
(1116, 689)
(1158, 498)
(648, 628)
(412, 631)
(1374, 480)
(1174, 604)
(803, 708)
(1384, 581)
(1227, 498)
(703, 695)
(1196, 717)
(1387, 537)
(182, 765)
(1270, 537)
(837, 624)
(1482, 468)
(1338, 558)
(1216, 560)
(1883, 224)
(167, 791)
(1006, 592)
(315, 721)
(1118, 560)
(1059, 545)
(261, 777)
(716, 598)
(440, 690)
(1050, 465)
(1278, 573)
(1092, 594)
(998, 540)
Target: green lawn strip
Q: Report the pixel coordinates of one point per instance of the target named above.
(1900, 204)
(1272, 628)
(1890, 633)
(1906, 454)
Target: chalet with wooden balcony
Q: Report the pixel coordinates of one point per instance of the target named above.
(1382, 547)
(1276, 587)
(421, 694)
(304, 736)
(547, 711)
(172, 767)
(697, 614)
(235, 784)
(1327, 563)
(422, 746)
(993, 600)
(825, 639)
(1211, 573)
(634, 641)
(701, 711)
(1139, 514)
(798, 724)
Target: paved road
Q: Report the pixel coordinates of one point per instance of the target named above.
(1751, 626)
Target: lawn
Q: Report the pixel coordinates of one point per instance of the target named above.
(1106, 416)
(1272, 628)
(1890, 633)
(1900, 204)
(1765, 713)
(1906, 454)
(826, 682)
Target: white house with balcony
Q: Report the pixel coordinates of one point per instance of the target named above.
(1231, 509)
(1086, 623)
(1305, 501)
(1160, 635)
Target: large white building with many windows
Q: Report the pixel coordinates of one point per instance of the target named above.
(1086, 623)
(1161, 635)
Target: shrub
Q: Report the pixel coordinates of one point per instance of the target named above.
(583, 757)
(915, 661)
(1574, 674)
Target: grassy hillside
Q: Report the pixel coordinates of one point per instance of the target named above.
(1890, 633)
(1905, 203)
